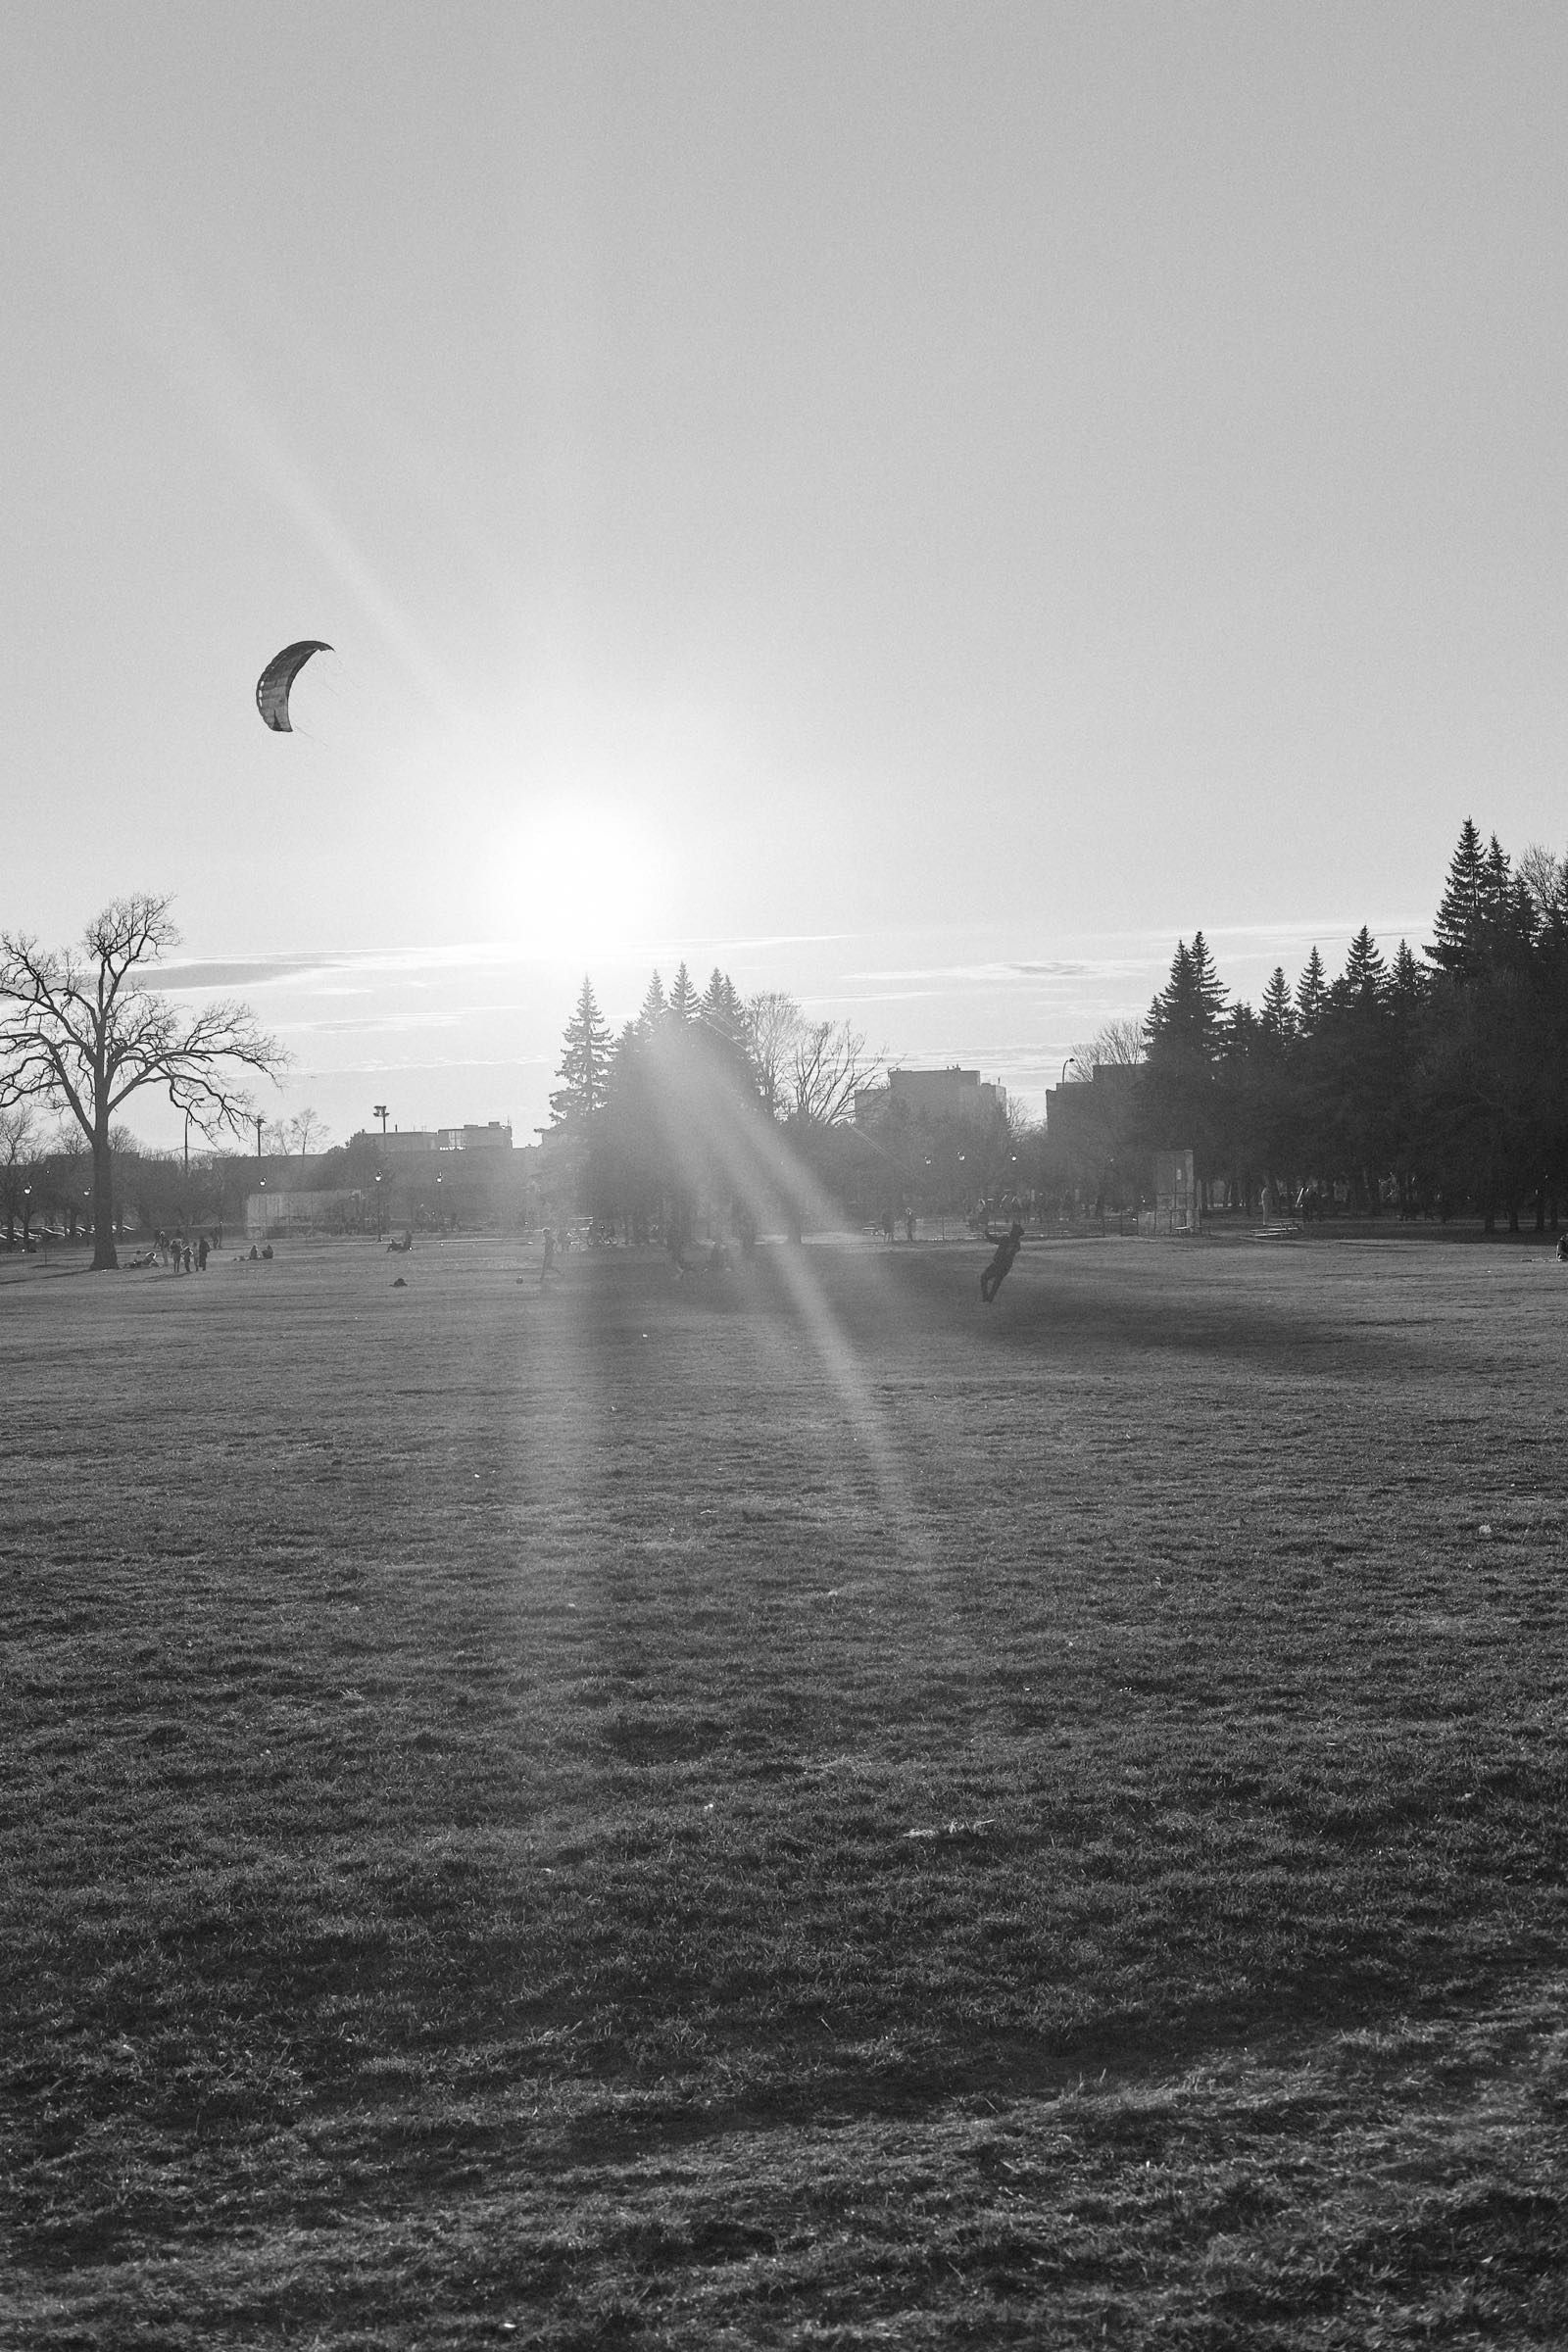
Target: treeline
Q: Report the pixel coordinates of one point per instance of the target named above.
(714, 1102)
(46, 1184)
(1427, 1083)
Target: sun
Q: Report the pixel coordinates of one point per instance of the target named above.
(586, 879)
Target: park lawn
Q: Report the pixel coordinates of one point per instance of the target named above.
(788, 1808)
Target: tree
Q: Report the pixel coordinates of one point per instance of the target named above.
(80, 1031)
(1187, 1029)
(1119, 1044)
(1459, 949)
(1312, 994)
(827, 1064)
(655, 1007)
(723, 1013)
(684, 1002)
(584, 1062)
(1276, 1019)
(772, 1019)
(306, 1133)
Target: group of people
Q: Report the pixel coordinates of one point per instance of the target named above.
(173, 1248)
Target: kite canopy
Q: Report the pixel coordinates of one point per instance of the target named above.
(272, 687)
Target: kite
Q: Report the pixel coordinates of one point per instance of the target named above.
(272, 687)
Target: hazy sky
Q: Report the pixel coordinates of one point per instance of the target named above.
(922, 504)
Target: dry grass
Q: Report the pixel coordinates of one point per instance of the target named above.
(796, 1810)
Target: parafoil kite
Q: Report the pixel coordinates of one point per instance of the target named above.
(272, 687)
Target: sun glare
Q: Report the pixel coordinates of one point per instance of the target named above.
(584, 881)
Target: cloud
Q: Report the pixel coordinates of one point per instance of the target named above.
(992, 974)
(180, 979)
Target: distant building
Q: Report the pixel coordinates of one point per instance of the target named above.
(426, 1178)
(1082, 1111)
(401, 1141)
(950, 1093)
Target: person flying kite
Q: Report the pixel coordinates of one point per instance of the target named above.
(1009, 1245)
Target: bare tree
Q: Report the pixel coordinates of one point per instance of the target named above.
(826, 1066)
(772, 1022)
(81, 1032)
(1117, 1045)
(1545, 876)
(306, 1132)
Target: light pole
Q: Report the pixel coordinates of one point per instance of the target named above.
(26, 1215)
(379, 1111)
(378, 1204)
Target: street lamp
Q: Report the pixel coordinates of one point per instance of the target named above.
(378, 1204)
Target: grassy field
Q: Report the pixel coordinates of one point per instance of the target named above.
(787, 1810)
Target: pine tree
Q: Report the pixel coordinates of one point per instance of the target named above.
(653, 1006)
(1365, 975)
(1407, 981)
(584, 1062)
(684, 1002)
(1189, 1008)
(1277, 1017)
(722, 1011)
(1459, 947)
(1312, 995)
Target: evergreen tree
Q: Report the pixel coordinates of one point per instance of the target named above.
(722, 1012)
(1185, 1034)
(1276, 1018)
(684, 1002)
(653, 1006)
(1189, 1008)
(1365, 972)
(1312, 994)
(1459, 949)
(584, 1063)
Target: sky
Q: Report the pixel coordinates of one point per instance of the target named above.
(920, 506)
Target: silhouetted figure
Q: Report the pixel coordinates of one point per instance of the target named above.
(1562, 1250)
(549, 1256)
(719, 1260)
(1009, 1245)
(201, 1255)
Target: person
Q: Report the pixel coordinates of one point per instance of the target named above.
(549, 1256)
(201, 1255)
(1562, 1250)
(1009, 1245)
(255, 1253)
(185, 1251)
